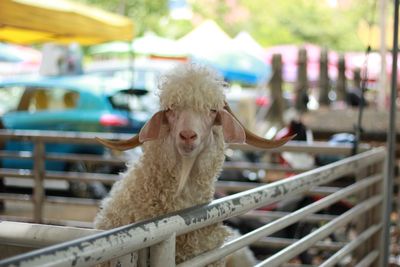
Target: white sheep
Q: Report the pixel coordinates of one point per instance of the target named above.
(183, 153)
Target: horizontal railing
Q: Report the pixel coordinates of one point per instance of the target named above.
(38, 173)
(157, 236)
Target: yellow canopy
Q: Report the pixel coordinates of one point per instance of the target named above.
(60, 21)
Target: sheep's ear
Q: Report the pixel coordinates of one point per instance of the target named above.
(151, 130)
(232, 129)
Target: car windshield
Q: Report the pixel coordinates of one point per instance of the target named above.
(10, 98)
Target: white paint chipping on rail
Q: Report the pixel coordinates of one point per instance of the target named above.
(121, 241)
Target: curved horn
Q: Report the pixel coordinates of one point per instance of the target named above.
(257, 141)
(121, 145)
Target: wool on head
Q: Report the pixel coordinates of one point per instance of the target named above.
(194, 86)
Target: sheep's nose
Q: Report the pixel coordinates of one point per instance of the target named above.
(188, 135)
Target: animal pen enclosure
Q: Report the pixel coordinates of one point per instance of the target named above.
(152, 242)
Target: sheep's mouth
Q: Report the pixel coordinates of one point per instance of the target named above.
(187, 149)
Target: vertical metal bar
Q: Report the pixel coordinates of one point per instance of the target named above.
(346, 250)
(163, 253)
(376, 213)
(143, 257)
(361, 223)
(370, 214)
(367, 261)
(275, 85)
(306, 242)
(38, 174)
(301, 86)
(129, 260)
(341, 80)
(363, 87)
(324, 78)
(273, 227)
(391, 143)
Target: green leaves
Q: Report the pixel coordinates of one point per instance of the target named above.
(270, 22)
(146, 14)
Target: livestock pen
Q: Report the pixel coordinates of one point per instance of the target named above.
(151, 243)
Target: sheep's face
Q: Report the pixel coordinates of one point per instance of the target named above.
(190, 130)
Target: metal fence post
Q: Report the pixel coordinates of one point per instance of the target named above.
(373, 216)
(378, 237)
(129, 260)
(370, 215)
(391, 142)
(362, 222)
(143, 260)
(341, 80)
(163, 253)
(324, 78)
(275, 84)
(301, 86)
(38, 174)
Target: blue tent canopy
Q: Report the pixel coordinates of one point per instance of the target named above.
(237, 66)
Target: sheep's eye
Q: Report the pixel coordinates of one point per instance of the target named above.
(213, 110)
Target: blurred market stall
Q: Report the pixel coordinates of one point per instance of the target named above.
(236, 65)
(209, 44)
(150, 44)
(18, 59)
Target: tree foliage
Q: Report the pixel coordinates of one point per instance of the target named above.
(269, 22)
(145, 13)
(287, 21)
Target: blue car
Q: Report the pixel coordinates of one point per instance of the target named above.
(90, 103)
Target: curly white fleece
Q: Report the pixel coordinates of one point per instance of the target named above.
(148, 187)
(192, 86)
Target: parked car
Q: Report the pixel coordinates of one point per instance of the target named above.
(90, 103)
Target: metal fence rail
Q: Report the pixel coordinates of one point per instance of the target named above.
(301, 245)
(279, 224)
(158, 235)
(38, 173)
(338, 256)
(38, 235)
